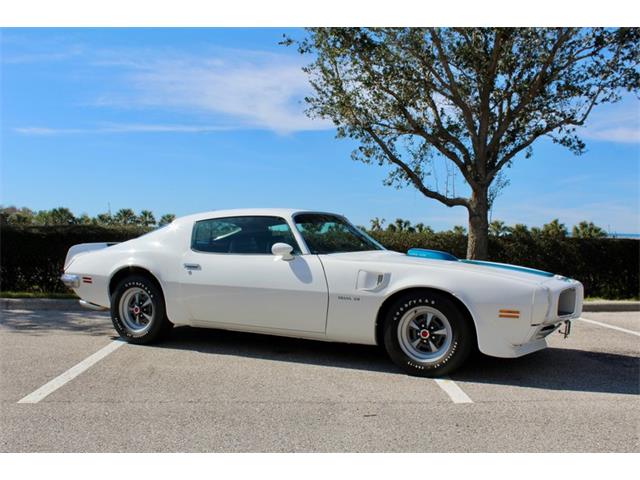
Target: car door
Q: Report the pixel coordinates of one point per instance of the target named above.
(230, 276)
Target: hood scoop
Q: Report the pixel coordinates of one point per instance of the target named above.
(432, 254)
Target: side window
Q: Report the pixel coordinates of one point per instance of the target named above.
(248, 235)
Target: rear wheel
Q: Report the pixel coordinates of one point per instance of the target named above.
(427, 334)
(138, 311)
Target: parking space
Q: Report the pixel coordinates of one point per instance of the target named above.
(210, 390)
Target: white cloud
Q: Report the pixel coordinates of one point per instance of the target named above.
(19, 49)
(248, 89)
(263, 96)
(123, 128)
(237, 89)
(618, 122)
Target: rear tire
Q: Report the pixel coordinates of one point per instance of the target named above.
(138, 311)
(427, 334)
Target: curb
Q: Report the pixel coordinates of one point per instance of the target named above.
(73, 305)
(66, 304)
(612, 306)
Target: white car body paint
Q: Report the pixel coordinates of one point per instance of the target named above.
(333, 297)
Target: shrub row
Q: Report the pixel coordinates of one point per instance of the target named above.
(31, 257)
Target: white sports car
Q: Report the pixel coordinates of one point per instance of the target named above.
(314, 275)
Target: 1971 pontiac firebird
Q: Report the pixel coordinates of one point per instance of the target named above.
(314, 275)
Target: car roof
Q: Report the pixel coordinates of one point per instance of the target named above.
(239, 212)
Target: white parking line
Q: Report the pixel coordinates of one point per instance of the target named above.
(73, 372)
(452, 389)
(612, 327)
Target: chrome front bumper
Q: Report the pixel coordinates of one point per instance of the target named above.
(71, 281)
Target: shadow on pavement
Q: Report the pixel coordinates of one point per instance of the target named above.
(558, 369)
(553, 368)
(283, 349)
(45, 322)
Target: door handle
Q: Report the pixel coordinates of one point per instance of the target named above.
(192, 266)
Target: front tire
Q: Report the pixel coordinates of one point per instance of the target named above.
(427, 334)
(138, 311)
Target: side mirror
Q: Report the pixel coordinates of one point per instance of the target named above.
(282, 250)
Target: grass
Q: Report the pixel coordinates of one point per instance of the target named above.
(37, 295)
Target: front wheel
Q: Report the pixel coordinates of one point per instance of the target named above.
(138, 311)
(427, 334)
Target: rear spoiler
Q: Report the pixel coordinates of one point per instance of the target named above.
(82, 248)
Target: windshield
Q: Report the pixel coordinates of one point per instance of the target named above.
(325, 233)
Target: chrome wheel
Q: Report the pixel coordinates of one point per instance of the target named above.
(136, 310)
(424, 334)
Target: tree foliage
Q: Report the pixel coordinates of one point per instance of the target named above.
(146, 218)
(475, 97)
(64, 216)
(166, 219)
(554, 229)
(587, 230)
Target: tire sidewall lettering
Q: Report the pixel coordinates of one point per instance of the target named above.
(454, 351)
(115, 309)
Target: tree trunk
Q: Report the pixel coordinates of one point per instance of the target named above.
(478, 239)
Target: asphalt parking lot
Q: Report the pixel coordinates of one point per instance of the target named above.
(215, 391)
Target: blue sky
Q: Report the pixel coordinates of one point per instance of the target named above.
(186, 120)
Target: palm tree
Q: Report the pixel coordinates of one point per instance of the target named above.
(104, 219)
(125, 216)
(519, 229)
(84, 219)
(554, 229)
(459, 230)
(62, 216)
(146, 218)
(587, 230)
(422, 228)
(377, 224)
(166, 219)
(497, 228)
(402, 225)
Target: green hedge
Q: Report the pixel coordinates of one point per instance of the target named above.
(31, 257)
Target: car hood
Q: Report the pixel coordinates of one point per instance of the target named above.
(387, 257)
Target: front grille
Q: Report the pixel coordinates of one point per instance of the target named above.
(567, 302)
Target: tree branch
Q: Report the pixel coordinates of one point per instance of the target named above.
(415, 179)
(467, 114)
(534, 88)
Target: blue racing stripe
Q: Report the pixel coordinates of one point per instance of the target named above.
(438, 255)
(532, 271)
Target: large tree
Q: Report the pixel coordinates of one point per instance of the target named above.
(475, 97)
